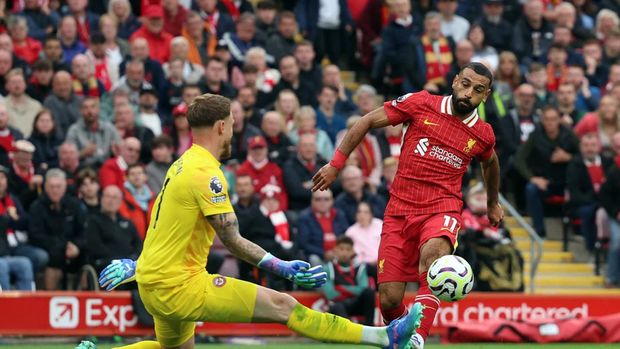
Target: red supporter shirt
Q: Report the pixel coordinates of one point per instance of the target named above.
(437, 149)
(159, 44)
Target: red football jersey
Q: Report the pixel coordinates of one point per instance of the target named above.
(437, 149)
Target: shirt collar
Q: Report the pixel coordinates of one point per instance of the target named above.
(201, 151)
(596, 162)
(446, 108)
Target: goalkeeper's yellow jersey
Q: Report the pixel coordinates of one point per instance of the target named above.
(179, 237)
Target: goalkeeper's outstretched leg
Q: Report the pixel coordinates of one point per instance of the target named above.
(271, 306)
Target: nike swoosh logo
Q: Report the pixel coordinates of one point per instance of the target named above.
(426, 122)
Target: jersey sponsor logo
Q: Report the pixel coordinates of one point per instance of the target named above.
(470, 145)
(216, 185)
(422, 147)
(219, 281)
(218, 199)
(400, 99)
(429, 123)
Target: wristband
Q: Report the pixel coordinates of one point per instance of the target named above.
(339, 159)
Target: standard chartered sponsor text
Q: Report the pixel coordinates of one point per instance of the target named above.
(446, 156)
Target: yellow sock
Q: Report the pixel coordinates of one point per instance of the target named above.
(142, 345)
(327, 327)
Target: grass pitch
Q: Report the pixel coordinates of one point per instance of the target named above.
(331, 346)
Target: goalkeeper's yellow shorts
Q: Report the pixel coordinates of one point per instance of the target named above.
(205, 297)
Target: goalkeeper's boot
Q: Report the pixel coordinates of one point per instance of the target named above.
(417, 342)
(86, 345)
(400, 330)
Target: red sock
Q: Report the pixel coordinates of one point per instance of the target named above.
(390, 315)
(431, 304)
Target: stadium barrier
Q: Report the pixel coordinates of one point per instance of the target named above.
(111, 313)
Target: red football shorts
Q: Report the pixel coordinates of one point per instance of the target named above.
(401, 240)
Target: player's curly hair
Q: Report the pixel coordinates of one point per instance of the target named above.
(205, 110)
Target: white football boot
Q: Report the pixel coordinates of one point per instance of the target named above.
(416, 341)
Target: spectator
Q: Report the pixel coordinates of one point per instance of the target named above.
(366, 235)
(605, 122)
(567, 104)
(245, 197)
(46, 141)
(305, 122)
(242, 132)
(87, 22)
(532, 33)
(214, 83)
(309, 70)
(93, 138)
(8, 136)
(101, 67)
(611, 47)
(40, 84)
(173, 88)
(69, 40)
(300, 170)
(6, 62)
(452, 25)
(610, 191)
(127, 22)
(220, 21)
(508, 72)
(25, 180)
(282, 42)
(606, 21)
(319, 226)
(14, 225)
(463, 55)
(125, 124)
(179, 49)
(239, 42)
(113, 170)
(174, 17)
(437, 61)
(280, 146)
(14, 267)
(325, 24)
(344, 103)
(52, 51)
(390, 165)
(542, 160)
(156, 170)
(152, 30)
(588, 97)
(69, 163)
(584, 177)
(40, 23)
(519, 125)
(109, 234)
(138, 199)
(347, 288)
(262, 170)
(497, 30)
(21, 108)
(181, 133)
(201, 38)
(327, 118)
(85, 83)
(287, 105)
(390, 141)
(612, 78)
(366, 97)
(266, 13)
(247, 97)
(57, 226)
(537, 77)
(153, 71)
(133, 80)
(63, 103)
(6, 43)
(367, 154)
(596, 71)
(354, 193)
(483, 52)
(115, 47)
(267, 78)
(88, 191)
(148, 110)
(24, 46)
(291, 81)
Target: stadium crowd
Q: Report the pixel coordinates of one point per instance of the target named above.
(94, 96)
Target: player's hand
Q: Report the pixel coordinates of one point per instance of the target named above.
(495, 213)
(324, 177)
(314, 277)
(297, 271)
(120, 271)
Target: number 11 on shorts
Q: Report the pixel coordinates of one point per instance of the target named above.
(449, 223)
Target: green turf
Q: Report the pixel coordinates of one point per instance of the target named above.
(326, 346)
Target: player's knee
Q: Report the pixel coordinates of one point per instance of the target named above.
(283, 305)
(390, 299)
(432, 250)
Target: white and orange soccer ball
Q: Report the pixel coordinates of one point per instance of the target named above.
(450, 278)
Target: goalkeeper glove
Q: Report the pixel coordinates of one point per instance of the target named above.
(120, 271)
(297, 271)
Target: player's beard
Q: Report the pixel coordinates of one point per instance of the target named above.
(462, 106)
(226, 150)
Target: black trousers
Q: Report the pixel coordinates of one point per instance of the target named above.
(328, 42)
(363, 304)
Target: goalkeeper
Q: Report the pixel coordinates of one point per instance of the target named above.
(175, 288)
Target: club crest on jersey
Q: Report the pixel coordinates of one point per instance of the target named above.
(219, 281)
(216, 185)
(470, 145)
(381, 263)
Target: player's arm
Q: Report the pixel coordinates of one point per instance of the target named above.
(226, 226)
(328, 173)
(490, 172)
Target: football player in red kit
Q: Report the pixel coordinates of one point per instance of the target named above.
(423, 215)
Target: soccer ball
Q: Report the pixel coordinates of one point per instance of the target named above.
(450, 278)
